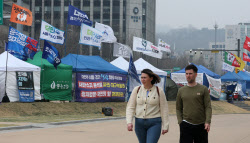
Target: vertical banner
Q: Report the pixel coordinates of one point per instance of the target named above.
(51, 54)
(21, 15)
(1, 12)
(100, 87)
(141, 45)
(52, 34)
(214, 86)
(121, 50)
(25, 84)
(90, 36)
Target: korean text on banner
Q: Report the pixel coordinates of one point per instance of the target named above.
(163, 46)
(247, 44)
(121, 50)
(51, 54)
(241, 63)
(227, 67)
(100, 87)
(90, 36)
(25, 84)
(77, 17)
(52, 34)
(214, 86)
(246, 57)
(107, 33)
(20, 45)
(141, 45)
(21, 15)
(230, 59)
(155, 52)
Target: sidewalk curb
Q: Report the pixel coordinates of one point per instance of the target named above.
(59, 123)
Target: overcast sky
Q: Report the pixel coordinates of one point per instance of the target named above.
(201, 13)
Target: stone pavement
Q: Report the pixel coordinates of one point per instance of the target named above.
(230, 128)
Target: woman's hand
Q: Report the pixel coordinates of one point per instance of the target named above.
(164, 132)
(130, 126)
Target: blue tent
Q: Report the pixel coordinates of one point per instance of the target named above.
(231, 76)
(245, 76)
(202, 69)
(90, 64)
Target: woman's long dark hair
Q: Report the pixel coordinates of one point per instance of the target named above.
(156, 78)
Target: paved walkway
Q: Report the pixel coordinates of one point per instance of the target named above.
(232, 128)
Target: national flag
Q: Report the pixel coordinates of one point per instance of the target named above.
(230, 59)
(247, 44)
(21, 15)
(51, 54)
(107, 33)
(20, 45)
(132, 70)
(246, 57)
(241, 63)
(77, 17)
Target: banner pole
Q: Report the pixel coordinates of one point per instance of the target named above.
(65, 43)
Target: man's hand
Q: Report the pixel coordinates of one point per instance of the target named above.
(130, 126)
(164, 132)
(207, 127)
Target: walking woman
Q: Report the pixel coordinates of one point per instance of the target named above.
(149, 106)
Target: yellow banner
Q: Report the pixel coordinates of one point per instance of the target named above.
(241, 62)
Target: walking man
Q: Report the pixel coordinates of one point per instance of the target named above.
(193, 109)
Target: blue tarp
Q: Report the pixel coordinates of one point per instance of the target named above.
(82, 63)
(245, 76)
(231, 76)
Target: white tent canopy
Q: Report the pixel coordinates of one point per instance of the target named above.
(121, 63)
(140, 64)
(14, 64)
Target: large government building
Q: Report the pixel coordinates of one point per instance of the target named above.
(128, 18)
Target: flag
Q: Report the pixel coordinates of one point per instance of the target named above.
(107, 33)
(20, 45)
(241, 63)
(163, 46)
(247, 44)
(51, 54)
(6, 46)
(121, 50)
(227, 67)
(230, 59)
(246, 57)
(52, 34)
(21, 15)
(155, 52)
(90, 36)
(132, 70)
(141, 45)
(77, 17)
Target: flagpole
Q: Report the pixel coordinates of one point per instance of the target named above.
(65, 43)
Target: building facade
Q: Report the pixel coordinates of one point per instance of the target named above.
(127, 18)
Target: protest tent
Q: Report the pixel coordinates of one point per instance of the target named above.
(16, 65)
(56, 84)
(231, 76)
(96, 79)
(121, 63)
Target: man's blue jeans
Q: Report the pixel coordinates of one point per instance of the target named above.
(148, 130)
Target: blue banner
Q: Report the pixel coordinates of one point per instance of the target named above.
(132, 70)
(26, 95)
(51, 54)
(77, 17)
(100, 87)
(20, 45)
(6, 46)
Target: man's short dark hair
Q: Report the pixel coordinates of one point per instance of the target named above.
(191, 67)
